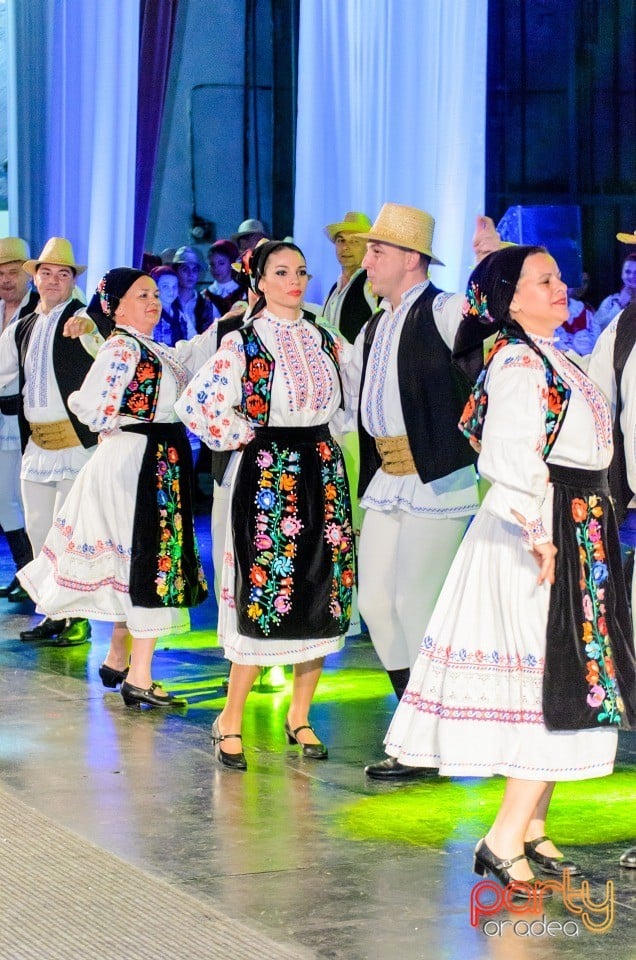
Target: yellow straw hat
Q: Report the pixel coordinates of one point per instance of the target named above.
(58, 252)
(405, 227)
(354, 222)
(627, 238)
(13, 250)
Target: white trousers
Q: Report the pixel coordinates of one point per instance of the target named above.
(42, 503)
(11, 511)
(402, 565)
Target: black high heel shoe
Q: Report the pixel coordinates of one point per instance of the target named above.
(111, 677)
(135, 696)
(313, 751)
(552, 865)
(485, 862)
(235, 761)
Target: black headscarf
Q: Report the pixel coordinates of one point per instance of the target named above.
(114, 285)
(486, 310)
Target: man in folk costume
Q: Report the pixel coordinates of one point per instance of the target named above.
(17, 299)
(350, 302)
(55, 444)
(613, 367)
(417, 476)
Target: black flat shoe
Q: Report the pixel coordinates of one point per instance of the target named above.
(392, 769)
(552, 865)
(235, 761)
(14, 592)
(110, 677)
(135, 696)
(45, 630)
(485, 862)
(313, 751)
(76, 630)
(629, 859)
(17, 593)
(5, 591)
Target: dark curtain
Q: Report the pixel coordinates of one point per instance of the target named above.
(155, 47)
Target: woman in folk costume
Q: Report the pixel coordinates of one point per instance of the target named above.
(271, 391)
(123, 547)
(527, 665)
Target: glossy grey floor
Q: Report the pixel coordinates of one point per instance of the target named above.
(265, 848)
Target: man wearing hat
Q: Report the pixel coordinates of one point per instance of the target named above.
(199, 312)
(350, 302)
(17, 299)
(417, 479)
(49, 367)
(248, 233)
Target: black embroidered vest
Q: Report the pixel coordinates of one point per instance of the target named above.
(258, 376)
(141, 396)
(432, 396)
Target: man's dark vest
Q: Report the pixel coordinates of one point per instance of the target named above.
(432, 396)
(71, 363)
(623, 346)
(354, 309)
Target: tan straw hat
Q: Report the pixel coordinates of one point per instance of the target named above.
(627, 238)
(58, 252)
(13, 250)
(405, 227)
(354, 222)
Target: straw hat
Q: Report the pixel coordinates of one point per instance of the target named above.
(13, 249)
(57, 251)
(627, 238)
(405, 227)
(354, 222)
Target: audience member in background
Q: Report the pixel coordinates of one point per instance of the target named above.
(579, 332)
(172, 325)
(225, 290)
(199, 312)
(350, 302)
(613, 304)
(248, 233)
(55, 442)
(17, 299)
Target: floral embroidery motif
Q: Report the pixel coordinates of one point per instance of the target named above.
(603, 693)
(556, 397)
(257, 378)
(140, 396)
(277, 527)
(338, 533)
(169, 580)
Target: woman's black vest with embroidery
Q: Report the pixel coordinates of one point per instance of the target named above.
(258, 376)
(141, 396)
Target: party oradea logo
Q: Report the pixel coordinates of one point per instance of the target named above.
(488, 898)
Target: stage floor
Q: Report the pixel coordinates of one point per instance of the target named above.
(309, 855)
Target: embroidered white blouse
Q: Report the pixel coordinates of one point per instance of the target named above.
(305, 388)
(98, 400)
(514, 433)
